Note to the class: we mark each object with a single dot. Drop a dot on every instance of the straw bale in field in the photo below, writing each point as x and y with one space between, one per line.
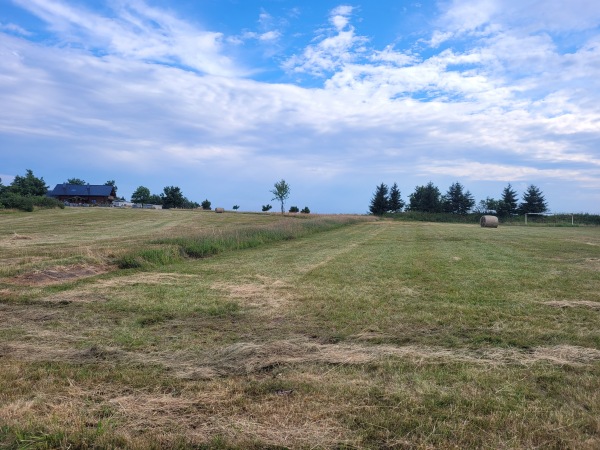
219 210
489 221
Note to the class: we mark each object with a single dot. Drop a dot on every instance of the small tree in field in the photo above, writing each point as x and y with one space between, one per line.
206 205
235 207
380 202
281 193
294 209
305 210
266 208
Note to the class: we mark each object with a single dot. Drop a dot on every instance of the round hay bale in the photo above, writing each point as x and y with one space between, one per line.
219 210
489 222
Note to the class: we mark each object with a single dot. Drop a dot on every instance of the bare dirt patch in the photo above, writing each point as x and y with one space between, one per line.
574 304
59 274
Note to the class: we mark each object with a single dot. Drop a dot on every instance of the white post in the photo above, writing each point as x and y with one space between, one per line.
525 218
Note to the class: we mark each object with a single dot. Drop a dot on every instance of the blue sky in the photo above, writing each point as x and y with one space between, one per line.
225 97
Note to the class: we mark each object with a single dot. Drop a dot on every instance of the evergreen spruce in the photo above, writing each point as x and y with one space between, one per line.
395 203
380 202
507 206
533 201
457 200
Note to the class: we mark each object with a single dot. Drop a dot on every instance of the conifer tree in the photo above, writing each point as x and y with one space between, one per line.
457 200
533 201
380 202
507 205
395 200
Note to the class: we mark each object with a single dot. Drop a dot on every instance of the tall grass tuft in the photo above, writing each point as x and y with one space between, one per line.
209 244
205 245
148 257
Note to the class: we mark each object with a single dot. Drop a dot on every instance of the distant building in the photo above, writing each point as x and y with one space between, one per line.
123 204
86 194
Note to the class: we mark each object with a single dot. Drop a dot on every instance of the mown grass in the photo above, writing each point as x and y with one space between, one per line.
381 334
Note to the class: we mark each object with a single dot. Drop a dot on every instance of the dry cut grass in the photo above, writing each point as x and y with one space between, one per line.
379 335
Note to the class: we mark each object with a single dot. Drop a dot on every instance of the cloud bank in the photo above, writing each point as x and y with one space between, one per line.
496 92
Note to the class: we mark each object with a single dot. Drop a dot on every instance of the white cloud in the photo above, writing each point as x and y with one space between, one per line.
137 31
16 29
339 46
506 104
469 170
270 36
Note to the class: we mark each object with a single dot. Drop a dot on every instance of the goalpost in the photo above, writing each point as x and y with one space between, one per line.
546 214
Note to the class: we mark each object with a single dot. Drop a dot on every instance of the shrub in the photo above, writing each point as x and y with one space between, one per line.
294 209
16 201
26 203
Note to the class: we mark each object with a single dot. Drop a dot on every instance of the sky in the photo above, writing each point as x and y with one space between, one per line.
223 98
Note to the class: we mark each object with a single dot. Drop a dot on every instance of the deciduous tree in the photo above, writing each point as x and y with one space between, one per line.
426 199
155 199
487 206
281 193
172 197
141 195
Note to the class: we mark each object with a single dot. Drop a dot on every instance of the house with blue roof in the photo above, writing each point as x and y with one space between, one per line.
86 194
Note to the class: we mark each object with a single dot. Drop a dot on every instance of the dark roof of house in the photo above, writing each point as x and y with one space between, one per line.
78 190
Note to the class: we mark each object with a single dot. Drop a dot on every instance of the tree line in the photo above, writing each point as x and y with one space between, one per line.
456 200
25 192
170 197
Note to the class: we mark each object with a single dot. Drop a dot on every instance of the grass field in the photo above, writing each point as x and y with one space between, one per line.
333 333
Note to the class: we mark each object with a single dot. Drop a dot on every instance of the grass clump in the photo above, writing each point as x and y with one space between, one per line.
150 257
